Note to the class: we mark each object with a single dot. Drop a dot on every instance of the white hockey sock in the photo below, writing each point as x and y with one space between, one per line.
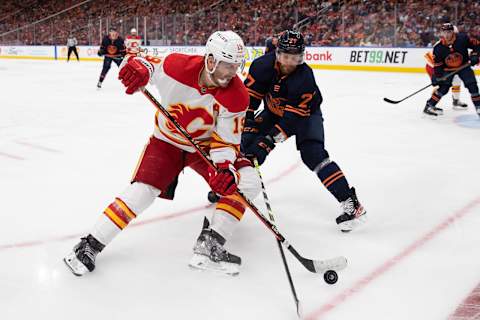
104 230
456 92
131 202
223 223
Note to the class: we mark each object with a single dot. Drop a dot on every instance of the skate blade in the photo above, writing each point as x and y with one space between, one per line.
201 262
457 108
430 116
336 264
75 265
350 225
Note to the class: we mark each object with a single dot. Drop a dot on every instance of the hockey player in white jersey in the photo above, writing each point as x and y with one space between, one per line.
209 100
133 42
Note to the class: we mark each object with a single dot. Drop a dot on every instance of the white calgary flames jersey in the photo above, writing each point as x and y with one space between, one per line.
213 116
133 42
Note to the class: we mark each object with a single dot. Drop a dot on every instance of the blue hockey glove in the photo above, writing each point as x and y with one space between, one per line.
250 133
260 149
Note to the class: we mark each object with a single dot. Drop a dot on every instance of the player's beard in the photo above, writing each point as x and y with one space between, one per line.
220 80
287 69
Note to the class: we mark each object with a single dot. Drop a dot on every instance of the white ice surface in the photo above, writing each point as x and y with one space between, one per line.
66 150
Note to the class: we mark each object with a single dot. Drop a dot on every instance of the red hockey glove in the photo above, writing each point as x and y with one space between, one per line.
224 180
135 74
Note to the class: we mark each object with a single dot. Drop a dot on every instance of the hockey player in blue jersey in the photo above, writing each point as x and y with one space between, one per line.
449 54
287 87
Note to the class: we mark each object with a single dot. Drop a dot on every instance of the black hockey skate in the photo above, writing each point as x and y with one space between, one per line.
82 259
209 253
99 85
459 105
432 111
353 213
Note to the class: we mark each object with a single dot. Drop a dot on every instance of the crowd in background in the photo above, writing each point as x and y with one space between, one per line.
324 23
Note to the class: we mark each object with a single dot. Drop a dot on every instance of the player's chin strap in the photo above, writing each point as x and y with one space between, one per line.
210 72
326 267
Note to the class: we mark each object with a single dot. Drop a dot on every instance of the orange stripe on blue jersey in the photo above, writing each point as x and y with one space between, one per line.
303 113
255 94
333 177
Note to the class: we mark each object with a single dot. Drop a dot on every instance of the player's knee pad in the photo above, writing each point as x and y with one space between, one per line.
249 183
313 154
139 196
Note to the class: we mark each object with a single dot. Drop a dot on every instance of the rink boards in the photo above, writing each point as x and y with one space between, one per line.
326 58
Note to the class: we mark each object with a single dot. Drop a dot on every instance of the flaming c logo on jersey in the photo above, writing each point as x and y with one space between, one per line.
454 60
111 49
195 120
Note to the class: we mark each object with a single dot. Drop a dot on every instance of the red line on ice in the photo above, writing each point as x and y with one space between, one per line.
389 264
11 156
172 215
36 146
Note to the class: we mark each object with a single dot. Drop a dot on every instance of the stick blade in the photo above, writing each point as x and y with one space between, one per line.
390 101
299 309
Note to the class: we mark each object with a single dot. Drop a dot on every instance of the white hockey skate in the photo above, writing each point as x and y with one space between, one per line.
209 254
353 214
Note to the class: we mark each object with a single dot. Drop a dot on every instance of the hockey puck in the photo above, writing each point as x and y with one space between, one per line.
330 276
213 197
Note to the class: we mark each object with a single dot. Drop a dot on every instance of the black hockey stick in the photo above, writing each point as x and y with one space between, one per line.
285 264
327 267
448 75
